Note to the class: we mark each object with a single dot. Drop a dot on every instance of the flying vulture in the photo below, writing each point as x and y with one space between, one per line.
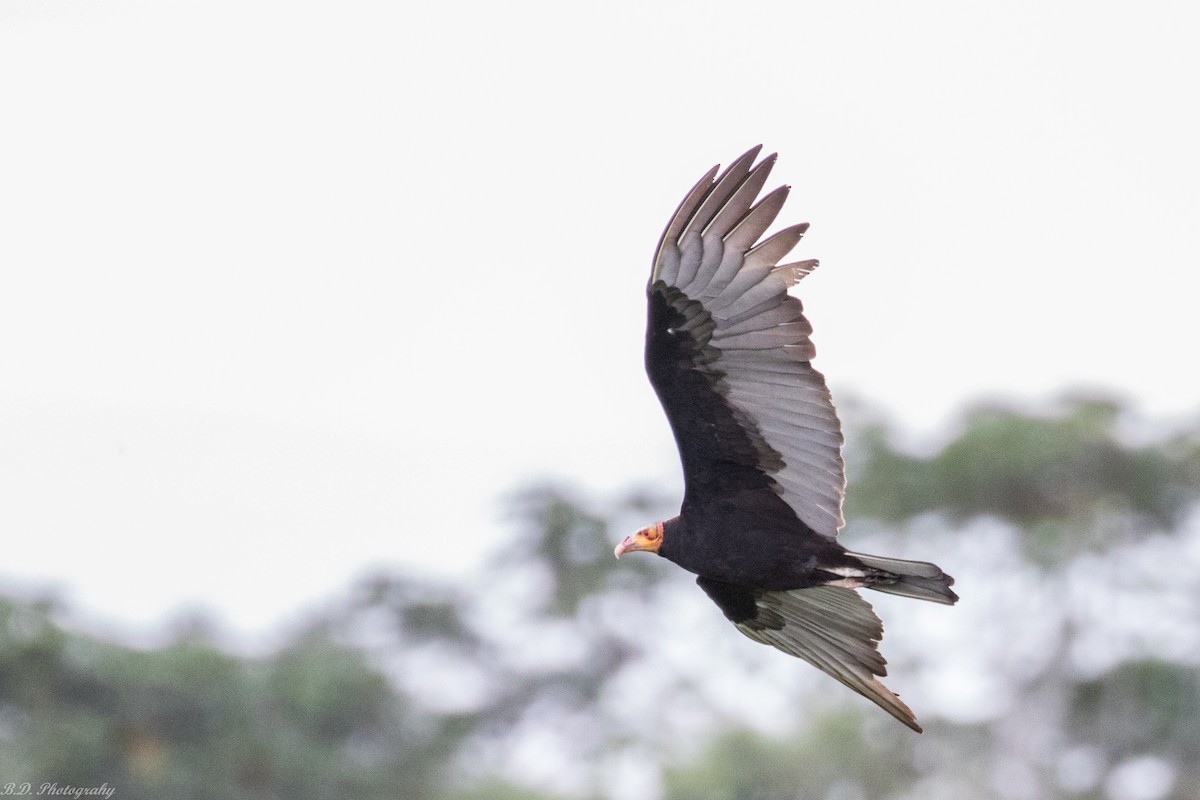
729 355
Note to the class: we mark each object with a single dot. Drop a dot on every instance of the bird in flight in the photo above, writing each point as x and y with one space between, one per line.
729 355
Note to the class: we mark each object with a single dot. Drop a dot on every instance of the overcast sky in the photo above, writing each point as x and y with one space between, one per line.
292 290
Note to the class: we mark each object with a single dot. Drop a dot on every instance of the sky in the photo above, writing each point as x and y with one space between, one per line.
295 291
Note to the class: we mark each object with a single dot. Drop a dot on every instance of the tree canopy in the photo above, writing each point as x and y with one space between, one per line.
1071 669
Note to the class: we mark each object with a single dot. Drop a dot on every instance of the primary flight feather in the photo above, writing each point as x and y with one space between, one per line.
729 355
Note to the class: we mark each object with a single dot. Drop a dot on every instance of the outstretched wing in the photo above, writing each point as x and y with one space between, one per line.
729 355
830 627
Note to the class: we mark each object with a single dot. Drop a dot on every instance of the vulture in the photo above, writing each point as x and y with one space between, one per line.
729 356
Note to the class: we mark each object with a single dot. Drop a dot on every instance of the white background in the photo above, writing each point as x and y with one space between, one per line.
293 290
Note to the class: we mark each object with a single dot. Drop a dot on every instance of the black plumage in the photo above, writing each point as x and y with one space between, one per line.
729 355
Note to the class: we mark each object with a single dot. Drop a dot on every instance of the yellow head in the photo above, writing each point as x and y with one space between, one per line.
648 539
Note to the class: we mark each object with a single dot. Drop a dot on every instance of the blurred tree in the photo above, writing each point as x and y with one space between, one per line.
1056 474
388 695
190 721
1146 712
530 652
835 755
1069 670
1081 610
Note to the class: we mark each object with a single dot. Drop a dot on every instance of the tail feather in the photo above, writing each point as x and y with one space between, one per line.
918 579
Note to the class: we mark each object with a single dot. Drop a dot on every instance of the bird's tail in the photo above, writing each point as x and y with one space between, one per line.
918 579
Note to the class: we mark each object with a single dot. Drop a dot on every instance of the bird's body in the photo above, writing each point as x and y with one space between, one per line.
743 538
729 355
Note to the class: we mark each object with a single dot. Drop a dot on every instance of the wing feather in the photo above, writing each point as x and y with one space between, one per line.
741 201
728 349
764 338
691 252
756 222
725 186
779 312
714 253
675 226
836 631
830 627
666 264
772 249
772 285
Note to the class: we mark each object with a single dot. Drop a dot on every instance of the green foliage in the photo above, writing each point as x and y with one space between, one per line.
316 719
1058 475
423 690
1139 707
834 753
500 790
188 720
573 545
